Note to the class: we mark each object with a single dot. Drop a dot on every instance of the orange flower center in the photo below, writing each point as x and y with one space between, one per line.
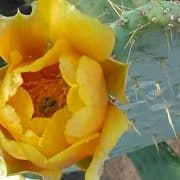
47 89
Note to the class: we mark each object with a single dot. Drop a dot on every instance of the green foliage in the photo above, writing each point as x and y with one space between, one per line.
163 164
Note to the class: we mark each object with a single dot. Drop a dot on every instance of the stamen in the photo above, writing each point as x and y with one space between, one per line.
47 89
48 106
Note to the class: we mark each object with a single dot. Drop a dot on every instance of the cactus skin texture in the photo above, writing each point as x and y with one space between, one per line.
130 3
97 8
152 16
148 38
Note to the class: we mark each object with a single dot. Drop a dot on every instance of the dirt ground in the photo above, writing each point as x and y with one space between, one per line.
121 168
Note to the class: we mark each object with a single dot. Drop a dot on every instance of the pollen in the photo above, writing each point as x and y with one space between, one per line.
47 89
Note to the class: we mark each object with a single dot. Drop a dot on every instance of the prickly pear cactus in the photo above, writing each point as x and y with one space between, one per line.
130 3
148 38
107 10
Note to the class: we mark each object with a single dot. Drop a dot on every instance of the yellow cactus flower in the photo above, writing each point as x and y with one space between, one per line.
54 106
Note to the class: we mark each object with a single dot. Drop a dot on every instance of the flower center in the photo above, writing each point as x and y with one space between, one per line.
47 89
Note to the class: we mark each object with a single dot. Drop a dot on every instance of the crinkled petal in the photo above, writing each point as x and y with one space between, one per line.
22 151
45 8
86 34
90 79
32 139
49 58
70 155
53 138
15 166
23 105
73 99
11 121
12 147
78 151
68 65
82 124
3 71
115 75
28 35
33 155
92 91
29 137
11 80
38 124
115 125
13 77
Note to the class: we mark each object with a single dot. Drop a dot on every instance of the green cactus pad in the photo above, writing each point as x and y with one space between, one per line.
147 37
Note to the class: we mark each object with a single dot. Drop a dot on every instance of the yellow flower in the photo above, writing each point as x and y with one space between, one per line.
54 108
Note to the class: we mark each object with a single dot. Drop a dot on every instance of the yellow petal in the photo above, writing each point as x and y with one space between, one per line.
69 156
38 124
49 58
86 34
83 123
15 58
22 151
11 80
11 147
27 35
13 77
73 99
53 139
115 125
44 8
92 91
29 137
14 166
68 65
90 79
75 152
33 155
3 71
11 121
115 75
23 105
